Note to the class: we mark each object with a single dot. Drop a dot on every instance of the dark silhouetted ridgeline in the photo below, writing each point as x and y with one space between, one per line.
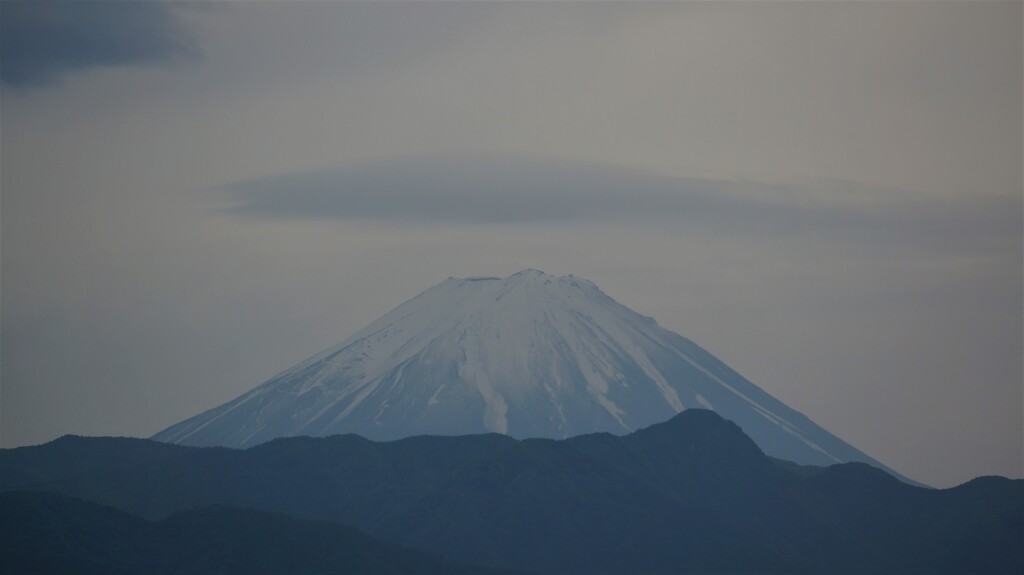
52 534
691 495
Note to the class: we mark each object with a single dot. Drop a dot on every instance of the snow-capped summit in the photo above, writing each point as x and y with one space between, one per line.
529 355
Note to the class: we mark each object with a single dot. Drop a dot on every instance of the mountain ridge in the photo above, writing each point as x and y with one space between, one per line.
692 494
50 533
529 355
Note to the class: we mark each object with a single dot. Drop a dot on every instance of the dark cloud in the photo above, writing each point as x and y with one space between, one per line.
42 40
486 189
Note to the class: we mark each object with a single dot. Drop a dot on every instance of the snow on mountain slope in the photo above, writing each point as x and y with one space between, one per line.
530 355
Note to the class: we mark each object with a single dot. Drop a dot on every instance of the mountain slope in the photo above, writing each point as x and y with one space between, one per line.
48 534
692 494
530 355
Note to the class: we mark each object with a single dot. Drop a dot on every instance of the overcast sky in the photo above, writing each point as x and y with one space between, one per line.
827 196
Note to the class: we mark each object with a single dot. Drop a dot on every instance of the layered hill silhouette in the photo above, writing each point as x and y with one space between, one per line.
693 494
52 534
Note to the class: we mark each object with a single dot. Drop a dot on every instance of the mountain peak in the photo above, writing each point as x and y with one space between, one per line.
702 426
530 272
528 276
528 355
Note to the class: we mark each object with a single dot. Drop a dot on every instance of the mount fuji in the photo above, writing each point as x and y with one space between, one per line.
529 355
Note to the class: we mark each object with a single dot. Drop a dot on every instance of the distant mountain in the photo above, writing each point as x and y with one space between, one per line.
53 534
693 494
530 355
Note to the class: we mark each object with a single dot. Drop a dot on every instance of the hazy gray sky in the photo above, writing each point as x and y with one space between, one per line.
826 195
